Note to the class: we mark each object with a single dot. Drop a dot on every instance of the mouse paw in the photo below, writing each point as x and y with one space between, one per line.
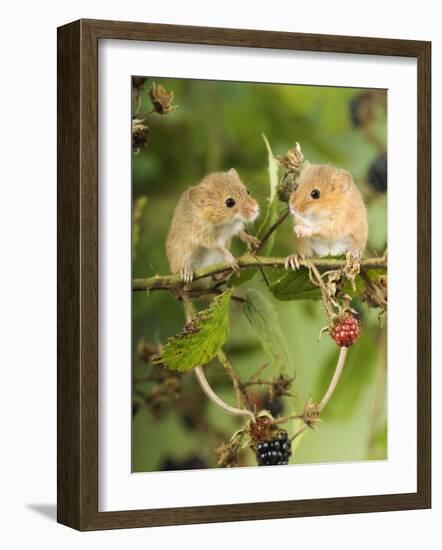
232 262
302 231
186 275
252 242
292 262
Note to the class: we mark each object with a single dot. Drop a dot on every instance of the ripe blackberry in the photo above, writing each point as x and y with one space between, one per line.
377 173
345 331
275 451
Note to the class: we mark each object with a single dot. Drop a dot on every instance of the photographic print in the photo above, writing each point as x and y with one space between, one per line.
259 267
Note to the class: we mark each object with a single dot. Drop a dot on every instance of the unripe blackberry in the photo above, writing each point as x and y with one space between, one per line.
377 173
345 331
274 406
274 452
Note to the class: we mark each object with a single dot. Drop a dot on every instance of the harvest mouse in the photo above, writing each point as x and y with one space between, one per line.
206 217
329 213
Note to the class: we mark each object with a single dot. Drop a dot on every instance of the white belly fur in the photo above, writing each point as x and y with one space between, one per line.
323 247
228 230
208 257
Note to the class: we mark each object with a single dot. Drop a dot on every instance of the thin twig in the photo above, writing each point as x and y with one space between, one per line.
247 261
273 228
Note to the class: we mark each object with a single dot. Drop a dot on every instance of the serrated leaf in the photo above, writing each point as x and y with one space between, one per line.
263 317
296 285
200 340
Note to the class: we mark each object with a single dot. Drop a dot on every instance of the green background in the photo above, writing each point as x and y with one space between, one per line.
218 125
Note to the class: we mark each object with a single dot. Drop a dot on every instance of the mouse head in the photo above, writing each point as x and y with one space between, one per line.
223 199
320 190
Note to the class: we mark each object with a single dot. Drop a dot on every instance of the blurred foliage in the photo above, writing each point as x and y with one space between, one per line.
219 125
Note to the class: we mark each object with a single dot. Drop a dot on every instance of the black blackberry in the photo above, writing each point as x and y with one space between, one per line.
191 463
274 452
377 173
360 109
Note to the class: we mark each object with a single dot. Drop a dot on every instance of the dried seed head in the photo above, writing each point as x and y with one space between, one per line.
161 99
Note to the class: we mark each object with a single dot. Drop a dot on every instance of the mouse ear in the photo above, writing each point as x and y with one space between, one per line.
233 172
198 196
342 180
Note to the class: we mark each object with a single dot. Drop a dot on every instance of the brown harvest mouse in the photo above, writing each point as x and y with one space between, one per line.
330 214
206 217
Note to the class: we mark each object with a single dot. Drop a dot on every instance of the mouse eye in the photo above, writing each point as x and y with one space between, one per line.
230 202
248 192
315 194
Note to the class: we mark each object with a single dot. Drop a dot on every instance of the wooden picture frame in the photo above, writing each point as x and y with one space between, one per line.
78 273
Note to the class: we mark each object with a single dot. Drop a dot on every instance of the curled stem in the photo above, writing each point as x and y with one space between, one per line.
189 311
205 386
335 379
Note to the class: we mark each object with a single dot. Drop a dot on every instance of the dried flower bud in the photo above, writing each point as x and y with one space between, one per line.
161 99
227 455
146 350
291 162
310 414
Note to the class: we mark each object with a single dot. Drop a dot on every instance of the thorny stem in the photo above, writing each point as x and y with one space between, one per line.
189 311
247 261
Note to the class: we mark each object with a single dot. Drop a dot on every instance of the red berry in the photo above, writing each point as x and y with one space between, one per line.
345 331
259 430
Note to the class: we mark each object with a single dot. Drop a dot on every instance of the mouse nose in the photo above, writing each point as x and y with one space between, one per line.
253 212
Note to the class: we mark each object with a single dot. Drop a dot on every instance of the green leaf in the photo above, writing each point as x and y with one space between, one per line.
200 340
264 319
269 218
296 285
